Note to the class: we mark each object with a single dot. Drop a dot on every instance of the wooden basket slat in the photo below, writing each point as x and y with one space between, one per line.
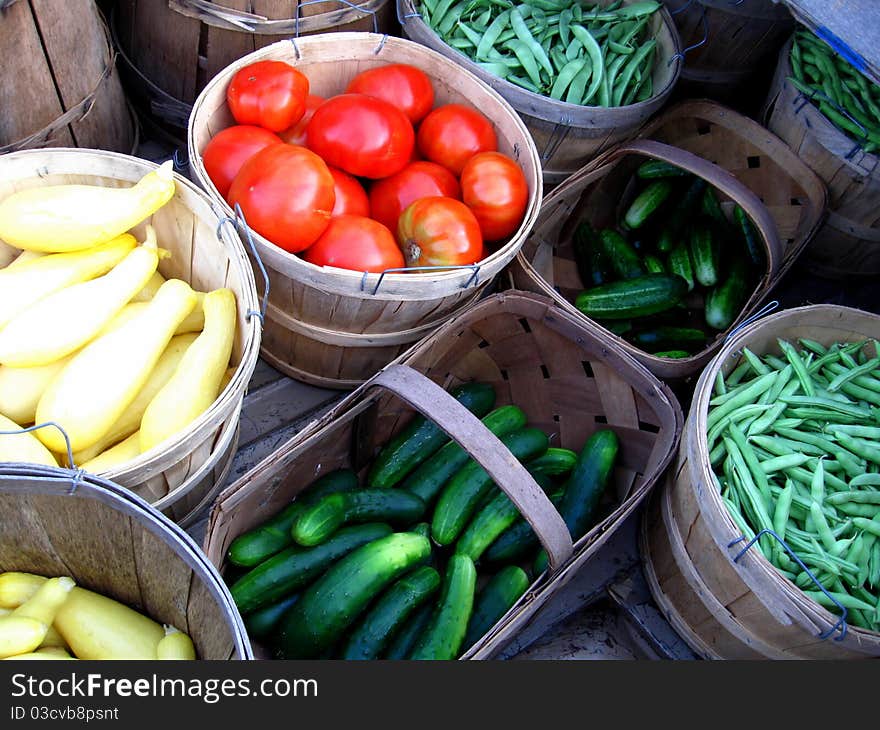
485 343
752 606
187 227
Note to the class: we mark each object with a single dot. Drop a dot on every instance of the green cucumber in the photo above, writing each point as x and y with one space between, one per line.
469 485
442 639
390 611
585 487
724 302
682 212
637 297
647 202
321 520
651 169
623 257
588 257
749 236
679 263
428 479
401 644
712 208
261 623
334 602
518 540
666 338
253 547
296 567
422 437
653 265
553 462
495 517
617 326
704 254
672 354
498 595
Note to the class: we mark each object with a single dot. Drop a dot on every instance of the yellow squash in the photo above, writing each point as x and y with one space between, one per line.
19 635
130 420
44 604
102 380
24 257
40 655
17 587
123 452
24 447
21 285
150 288
60 218
64 321
196 382
194 322
175 645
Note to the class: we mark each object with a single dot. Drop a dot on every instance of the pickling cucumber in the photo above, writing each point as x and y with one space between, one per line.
495 599
647 202
637 297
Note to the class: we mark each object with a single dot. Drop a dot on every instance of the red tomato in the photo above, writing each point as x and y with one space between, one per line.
270 94
230 148
364 136
450 135
297 133
355 242
350 195
439 231
286 194
494 187
389 196
405 86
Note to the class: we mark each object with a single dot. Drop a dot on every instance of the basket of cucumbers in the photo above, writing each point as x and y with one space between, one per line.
436 508
672 240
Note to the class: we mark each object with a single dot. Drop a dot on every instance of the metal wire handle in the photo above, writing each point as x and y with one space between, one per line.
822 96
341 2
841 624
704 21
762 312
475 268
239 222
45 424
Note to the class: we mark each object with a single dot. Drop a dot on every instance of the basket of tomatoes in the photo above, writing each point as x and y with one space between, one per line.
384 187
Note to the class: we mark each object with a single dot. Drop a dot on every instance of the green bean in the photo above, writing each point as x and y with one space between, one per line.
810 401
646 90
500 70
720 387
859 447
754 494
853 373
844 599
742 369
462 43
578 85
813 345
774 362
491 35
869 382
849 462
779 463
469 33
746 395
597 72
789 422
871 526
522 32
524 83
638 57
565 19
856 497
783 509
565 76
865 480
524 54
743 413
604 91
799 474
735 514
856 509
446 20
797 365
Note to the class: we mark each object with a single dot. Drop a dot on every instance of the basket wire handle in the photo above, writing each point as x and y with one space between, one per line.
239 222
841 624
78 475
822 96
475 271
762 312
408 6
486 448
704 21
348 4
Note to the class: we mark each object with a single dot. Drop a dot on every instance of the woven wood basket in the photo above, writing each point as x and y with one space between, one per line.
848 244
567 375
741 159
732 44
58 82
316 314
567 135
182 475
164 72
114 543
723 607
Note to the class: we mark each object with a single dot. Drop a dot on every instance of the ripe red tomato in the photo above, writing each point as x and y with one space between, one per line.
451 134
355 242
364 136
389 196
439 231
350 195
405 86
297 133
269 94
230 148
494 187
286 194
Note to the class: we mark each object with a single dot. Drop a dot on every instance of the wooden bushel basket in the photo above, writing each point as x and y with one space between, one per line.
165 71
568 376
745 164
848 244
567 135
55 522
180 476
740 609
59 86
334 327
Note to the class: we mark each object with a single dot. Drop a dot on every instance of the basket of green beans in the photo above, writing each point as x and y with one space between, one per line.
781 457
582 75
